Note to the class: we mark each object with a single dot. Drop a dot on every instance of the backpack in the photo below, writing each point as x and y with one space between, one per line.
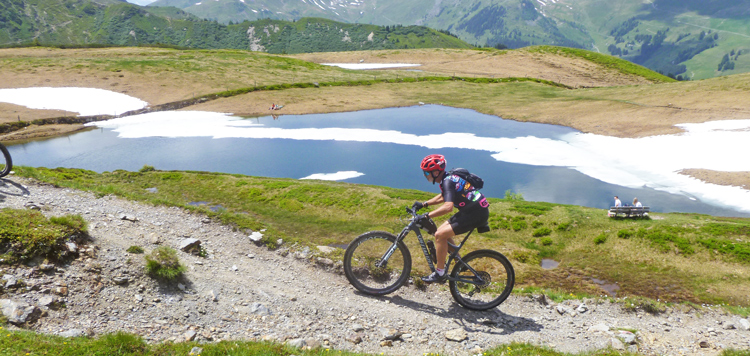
472 178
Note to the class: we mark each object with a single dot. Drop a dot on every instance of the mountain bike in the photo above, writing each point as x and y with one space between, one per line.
6 164
379 263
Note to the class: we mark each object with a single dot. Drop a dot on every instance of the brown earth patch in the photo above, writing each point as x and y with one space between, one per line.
571 279
571 71
42 132
735 179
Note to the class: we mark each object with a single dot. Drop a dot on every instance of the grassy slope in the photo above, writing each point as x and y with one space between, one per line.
676 257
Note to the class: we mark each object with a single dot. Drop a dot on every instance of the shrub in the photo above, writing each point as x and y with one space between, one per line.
509 195
526 256
135 249
147 168
532 208
163 263
537 224
625 234
546 241
543 231
519 225
602 238
564 226
648 305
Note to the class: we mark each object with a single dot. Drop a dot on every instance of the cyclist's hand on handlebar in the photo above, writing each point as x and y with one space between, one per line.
417 206
425 216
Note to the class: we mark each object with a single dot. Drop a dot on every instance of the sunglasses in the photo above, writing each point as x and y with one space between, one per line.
427 173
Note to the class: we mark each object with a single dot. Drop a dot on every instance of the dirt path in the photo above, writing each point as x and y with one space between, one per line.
298 296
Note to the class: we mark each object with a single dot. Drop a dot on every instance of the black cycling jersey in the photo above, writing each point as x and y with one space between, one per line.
461 193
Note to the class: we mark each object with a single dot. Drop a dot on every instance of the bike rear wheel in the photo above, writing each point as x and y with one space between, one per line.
495 282
6 164
362 259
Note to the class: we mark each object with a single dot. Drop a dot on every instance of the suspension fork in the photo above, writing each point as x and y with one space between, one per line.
387 256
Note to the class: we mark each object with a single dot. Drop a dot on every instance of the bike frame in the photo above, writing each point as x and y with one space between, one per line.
412 226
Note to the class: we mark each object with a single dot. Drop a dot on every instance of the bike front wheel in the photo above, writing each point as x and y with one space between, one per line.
6 164
370 270
488 285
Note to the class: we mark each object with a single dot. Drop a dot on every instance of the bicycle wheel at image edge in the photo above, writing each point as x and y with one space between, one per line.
6 164
363 255
497 278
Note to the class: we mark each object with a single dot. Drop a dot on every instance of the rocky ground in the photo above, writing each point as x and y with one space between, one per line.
298 296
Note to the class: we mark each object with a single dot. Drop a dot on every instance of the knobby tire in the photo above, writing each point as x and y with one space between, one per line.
495 291
367 250
8 163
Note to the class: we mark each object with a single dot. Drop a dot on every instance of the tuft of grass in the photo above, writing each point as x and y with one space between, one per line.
147 168
546 241
163 263
646 304
135 249
600 239
542 231
532 208
625 234
27 234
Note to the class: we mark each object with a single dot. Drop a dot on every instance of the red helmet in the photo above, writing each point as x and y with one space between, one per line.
433 163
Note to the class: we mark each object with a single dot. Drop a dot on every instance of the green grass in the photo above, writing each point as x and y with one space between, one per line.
123 344
605 61
163 263
26 234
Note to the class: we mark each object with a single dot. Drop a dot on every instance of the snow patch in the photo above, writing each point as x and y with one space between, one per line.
341 175
370 65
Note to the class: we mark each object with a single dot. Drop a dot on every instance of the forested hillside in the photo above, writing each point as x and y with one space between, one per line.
687 39
86 22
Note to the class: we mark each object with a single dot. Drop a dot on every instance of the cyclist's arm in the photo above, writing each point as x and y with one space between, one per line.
446 208
435 200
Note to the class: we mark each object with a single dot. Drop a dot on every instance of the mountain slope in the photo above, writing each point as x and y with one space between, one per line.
81 22
688 38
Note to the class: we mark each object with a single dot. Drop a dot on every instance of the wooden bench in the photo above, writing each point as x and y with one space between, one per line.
628 211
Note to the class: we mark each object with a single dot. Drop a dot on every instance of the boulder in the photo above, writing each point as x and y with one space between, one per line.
259 309
601 327
190 244
19 312
456 335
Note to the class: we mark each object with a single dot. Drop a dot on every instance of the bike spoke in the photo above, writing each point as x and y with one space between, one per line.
368 271
483 281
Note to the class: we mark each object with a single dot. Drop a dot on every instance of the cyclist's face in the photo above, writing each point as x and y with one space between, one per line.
428 175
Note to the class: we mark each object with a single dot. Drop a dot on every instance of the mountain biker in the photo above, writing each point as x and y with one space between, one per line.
473 209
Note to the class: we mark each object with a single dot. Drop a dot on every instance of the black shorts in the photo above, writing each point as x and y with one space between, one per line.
465 220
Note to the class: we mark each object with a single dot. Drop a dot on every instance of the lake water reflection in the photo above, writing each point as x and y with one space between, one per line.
381 147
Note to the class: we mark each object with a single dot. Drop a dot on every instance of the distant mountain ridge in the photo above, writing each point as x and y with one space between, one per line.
115 22
688 38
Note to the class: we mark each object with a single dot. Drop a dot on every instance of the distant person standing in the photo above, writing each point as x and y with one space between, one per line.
636 203
618 203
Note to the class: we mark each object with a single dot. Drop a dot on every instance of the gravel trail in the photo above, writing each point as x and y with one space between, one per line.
297 296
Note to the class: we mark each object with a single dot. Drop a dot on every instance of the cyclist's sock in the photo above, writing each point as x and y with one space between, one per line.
440 271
